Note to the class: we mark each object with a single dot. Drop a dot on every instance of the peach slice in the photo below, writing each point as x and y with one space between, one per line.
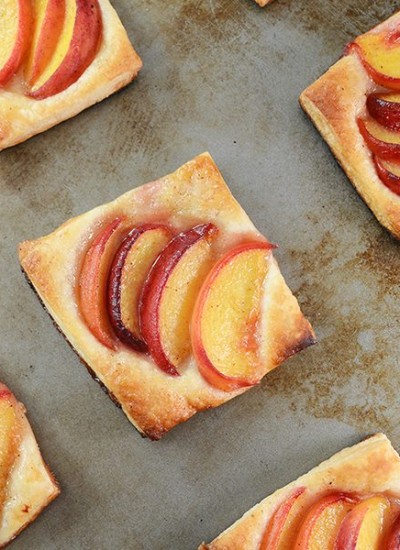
385 109
380 54
282 527
389 173
169 294
362 528
49 18
129 269
93 281
15 25
322 523
9 437
225 325
380 140
75 51
393 541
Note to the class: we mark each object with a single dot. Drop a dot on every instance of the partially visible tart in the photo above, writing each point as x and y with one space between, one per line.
356 107
351 501
27 485
58 57
170 296
263 3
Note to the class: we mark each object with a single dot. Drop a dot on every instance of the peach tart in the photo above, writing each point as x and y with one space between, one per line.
26 484
349 502
170 296
356 108
58 57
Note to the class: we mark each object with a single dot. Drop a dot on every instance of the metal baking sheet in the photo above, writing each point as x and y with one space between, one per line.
223 76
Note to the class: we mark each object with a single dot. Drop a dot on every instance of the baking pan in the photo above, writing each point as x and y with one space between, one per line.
223 76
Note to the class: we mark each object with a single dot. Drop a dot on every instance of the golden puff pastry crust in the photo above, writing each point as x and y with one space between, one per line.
115 65
27 485
333 103
369 467
152 400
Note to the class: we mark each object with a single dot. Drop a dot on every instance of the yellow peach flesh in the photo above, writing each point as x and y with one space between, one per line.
178 299
392 98
62 47
230 316
136 267
381 133
327 526
39 9
9 25
288 534
370 534
392 167
380 54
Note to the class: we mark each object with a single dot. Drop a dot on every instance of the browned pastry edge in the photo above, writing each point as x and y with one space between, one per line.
154 437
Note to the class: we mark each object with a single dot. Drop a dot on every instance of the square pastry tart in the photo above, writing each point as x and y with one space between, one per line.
169 295
349 502
356 108
26 484
58 57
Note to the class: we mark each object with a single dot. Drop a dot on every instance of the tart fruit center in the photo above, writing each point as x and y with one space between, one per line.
380 53
54 40
167 295
336 521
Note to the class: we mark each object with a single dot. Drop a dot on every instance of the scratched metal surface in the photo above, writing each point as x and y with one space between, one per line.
223 76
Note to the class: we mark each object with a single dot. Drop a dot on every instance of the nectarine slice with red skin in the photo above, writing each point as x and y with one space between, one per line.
323 521
9 437
129 269
382 141
93 282
226 318
389 173
380 54
363 526
179 297
272 538
49 16
393 541
186 255
385 109
77 47
15 25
